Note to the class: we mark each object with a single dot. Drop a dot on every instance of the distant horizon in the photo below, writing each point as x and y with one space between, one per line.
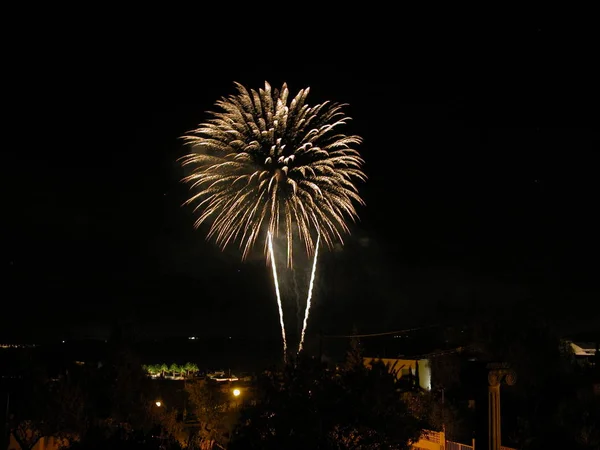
565 329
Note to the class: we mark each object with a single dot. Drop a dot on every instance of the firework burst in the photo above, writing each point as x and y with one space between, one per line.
265 164
264 167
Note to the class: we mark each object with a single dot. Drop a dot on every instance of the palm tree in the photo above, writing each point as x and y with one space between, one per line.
163 369
154 369
174 369
190 367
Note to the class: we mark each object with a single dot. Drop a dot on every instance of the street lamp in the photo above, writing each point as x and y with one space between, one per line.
236 392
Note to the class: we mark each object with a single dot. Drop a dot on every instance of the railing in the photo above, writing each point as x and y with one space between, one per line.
430 440
432 436
435 439
457 446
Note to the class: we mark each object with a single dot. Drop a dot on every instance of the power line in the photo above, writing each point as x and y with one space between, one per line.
386 333
440 353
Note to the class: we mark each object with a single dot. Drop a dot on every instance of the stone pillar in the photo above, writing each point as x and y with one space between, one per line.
496 376
494 414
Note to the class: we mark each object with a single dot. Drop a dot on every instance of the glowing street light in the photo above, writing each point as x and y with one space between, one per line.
158 403
236 392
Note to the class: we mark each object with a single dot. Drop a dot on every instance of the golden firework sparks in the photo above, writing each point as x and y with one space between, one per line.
262 164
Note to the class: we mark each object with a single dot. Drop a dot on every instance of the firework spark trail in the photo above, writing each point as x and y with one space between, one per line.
309 297
279 305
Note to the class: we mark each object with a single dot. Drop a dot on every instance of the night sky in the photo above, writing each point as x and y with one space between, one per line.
481 147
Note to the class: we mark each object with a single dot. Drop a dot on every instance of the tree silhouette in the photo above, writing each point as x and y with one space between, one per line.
547 407
306 406
30 417
210 404
354 356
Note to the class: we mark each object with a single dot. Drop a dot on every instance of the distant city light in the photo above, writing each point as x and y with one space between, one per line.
236 392
17 345
158 404
192 337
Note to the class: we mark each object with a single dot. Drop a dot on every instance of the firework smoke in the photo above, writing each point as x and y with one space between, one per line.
298 306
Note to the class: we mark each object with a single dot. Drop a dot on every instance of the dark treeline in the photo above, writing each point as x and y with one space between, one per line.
109 401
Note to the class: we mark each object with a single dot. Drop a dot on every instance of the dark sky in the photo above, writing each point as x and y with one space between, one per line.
481 144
